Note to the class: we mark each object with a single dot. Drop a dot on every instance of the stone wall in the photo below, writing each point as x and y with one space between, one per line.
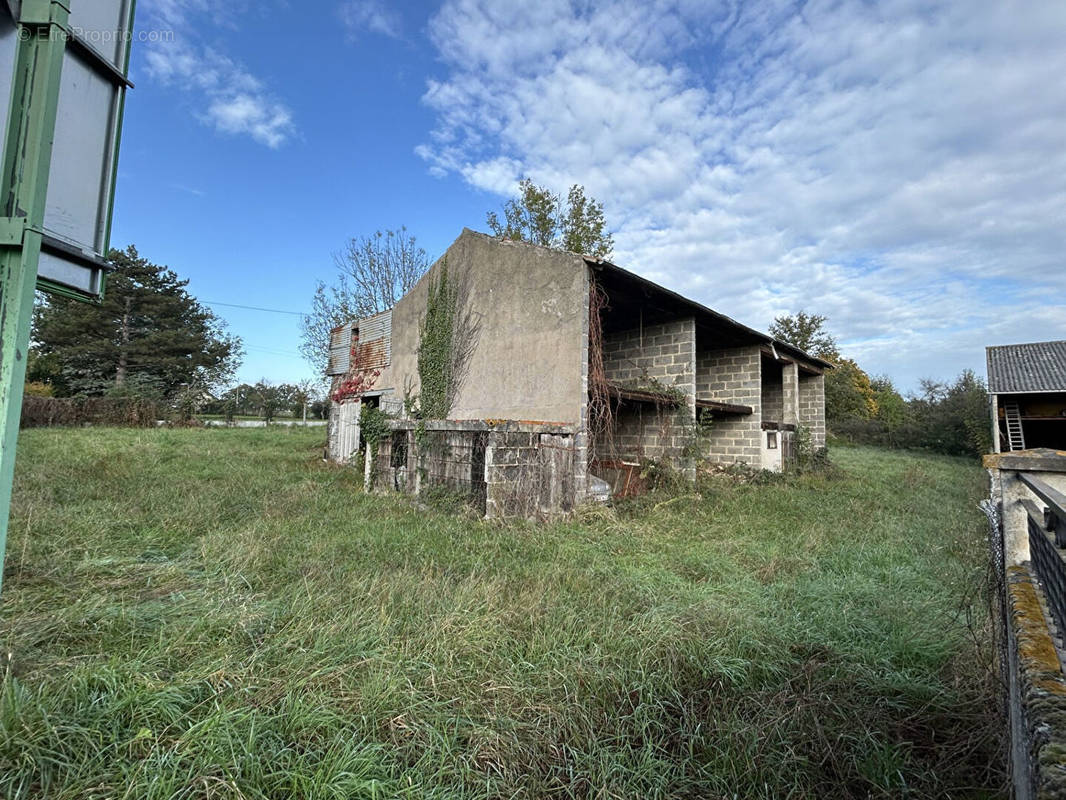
812 407
733 375
1030 580
504 469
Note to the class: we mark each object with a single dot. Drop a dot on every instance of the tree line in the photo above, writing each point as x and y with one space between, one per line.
948 417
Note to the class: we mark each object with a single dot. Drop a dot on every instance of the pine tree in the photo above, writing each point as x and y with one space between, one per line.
149 336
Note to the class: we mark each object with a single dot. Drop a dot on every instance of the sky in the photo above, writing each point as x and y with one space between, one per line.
898 167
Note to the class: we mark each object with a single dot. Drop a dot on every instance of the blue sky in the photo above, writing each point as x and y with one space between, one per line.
899 166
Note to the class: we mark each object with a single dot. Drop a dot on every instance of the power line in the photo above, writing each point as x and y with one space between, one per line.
254 308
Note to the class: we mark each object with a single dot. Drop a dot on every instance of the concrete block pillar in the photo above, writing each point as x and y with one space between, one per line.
790 393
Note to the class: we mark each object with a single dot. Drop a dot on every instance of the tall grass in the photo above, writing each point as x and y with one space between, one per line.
217 613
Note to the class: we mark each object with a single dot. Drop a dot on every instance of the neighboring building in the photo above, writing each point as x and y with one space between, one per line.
545 396
1027 388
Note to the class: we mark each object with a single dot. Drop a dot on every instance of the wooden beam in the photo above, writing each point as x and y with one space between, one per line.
724 408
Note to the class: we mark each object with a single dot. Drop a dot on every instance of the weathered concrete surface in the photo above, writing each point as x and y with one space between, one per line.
506 469
1008 490
538 298
1038 694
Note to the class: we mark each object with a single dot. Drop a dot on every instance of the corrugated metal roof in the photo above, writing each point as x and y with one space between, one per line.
375 341
340 350
1034 367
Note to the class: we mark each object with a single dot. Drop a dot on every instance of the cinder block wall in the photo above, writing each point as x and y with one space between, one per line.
773 398
733 375
663 353
812 407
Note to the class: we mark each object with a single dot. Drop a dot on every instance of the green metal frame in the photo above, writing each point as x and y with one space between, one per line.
26 161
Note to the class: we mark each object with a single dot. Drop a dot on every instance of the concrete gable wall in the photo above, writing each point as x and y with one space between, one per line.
531 357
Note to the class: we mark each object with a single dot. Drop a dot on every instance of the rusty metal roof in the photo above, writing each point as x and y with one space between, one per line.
1021 368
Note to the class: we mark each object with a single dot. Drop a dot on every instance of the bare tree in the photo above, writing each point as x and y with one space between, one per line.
372 274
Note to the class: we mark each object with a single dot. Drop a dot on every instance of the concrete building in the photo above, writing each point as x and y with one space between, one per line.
580 356
1027 389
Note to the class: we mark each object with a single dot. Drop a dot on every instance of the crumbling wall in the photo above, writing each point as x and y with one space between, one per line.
812 407
504 469
732 375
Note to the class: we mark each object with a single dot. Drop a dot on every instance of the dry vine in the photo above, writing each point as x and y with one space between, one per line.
601 413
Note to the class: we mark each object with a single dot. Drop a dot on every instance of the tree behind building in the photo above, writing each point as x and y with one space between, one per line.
538 216
372 274
149 337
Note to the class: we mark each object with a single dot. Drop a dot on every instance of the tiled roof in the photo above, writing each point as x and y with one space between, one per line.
1036 367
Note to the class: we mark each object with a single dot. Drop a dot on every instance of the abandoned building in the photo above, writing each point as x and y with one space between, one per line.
1027 394
533 379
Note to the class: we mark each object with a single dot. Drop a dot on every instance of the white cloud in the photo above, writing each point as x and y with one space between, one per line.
897 167
370 15
230 99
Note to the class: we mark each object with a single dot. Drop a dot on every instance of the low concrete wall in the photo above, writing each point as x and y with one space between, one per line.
505 469
1031 641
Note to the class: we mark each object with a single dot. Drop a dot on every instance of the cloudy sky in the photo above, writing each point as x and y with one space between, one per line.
899 167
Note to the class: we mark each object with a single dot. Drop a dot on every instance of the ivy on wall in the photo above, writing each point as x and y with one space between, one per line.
435 347
447 337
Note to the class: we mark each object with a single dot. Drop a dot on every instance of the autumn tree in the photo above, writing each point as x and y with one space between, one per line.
372 274
849 393
539 216
148 336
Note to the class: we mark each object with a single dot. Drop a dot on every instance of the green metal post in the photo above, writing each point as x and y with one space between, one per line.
42 30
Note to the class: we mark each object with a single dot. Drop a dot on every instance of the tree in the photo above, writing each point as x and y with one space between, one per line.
808 333
270 398
952 417
538 216
891 407
373 273
149 336
305 394
848 391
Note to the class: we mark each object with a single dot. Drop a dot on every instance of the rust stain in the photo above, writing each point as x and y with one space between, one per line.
369 355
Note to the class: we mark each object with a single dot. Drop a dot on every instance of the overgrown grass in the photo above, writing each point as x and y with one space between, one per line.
217 613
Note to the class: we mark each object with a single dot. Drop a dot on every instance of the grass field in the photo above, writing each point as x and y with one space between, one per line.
217 613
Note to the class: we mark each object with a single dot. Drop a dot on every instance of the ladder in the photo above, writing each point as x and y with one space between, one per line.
1015 434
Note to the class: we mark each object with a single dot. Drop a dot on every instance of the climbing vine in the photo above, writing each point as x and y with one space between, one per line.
373 426
447 337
